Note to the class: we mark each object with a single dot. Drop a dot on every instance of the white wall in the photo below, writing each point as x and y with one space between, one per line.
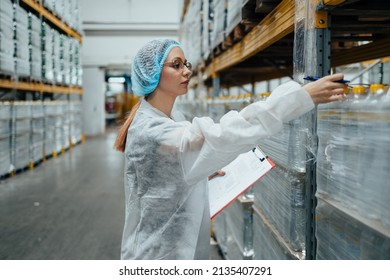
112 51
93 101
113 31
147 11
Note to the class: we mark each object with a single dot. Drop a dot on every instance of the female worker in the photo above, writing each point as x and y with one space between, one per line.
167 162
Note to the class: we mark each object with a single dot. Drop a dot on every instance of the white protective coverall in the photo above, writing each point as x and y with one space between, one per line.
167 164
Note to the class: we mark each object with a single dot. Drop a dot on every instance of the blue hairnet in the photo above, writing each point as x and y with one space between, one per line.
148 63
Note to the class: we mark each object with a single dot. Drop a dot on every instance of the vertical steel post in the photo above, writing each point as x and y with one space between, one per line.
216 85
320 20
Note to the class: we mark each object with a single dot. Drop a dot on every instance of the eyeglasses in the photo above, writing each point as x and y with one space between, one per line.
179 64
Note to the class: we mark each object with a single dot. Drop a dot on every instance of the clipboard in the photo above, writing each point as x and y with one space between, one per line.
241 174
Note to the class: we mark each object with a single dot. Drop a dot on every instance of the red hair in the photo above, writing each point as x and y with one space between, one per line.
120 142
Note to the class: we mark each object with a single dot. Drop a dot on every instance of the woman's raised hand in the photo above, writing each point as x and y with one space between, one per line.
326 89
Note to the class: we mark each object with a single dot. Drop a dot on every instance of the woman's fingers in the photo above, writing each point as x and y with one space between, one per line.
334 77
326 89
218 173
336 98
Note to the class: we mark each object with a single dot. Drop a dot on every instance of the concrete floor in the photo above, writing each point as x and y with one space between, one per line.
67 208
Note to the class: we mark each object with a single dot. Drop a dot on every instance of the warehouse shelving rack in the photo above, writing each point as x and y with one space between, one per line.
338 32
18 88
39 87
41 10
277 28
14 83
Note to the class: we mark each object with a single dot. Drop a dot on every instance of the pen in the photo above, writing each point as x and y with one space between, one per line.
315 78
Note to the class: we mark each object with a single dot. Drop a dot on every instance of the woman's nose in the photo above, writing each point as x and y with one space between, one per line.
187 72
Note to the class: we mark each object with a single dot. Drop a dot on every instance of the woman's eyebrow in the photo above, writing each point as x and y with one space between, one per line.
177 57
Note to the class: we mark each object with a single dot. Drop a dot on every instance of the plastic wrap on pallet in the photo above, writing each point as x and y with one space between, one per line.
265 245
78 65
75 121
37 110
5 138
37 140
5 156
239 103
35 49
240 226
353 156
21 151
56 56
22 65
21 110
65 59
6 12
200 107
340 236
6 45
54 6
192 108
20 139
36 152
233 250
6 16
22 126
191 32
216 108
233 15
7 64
220 105
76 17
71 60
65 125
5 111
58 8
49 145
220 232
21 121
37 131
35 30
58 126
217 34
280 195
38 126
305 41
74 62
47 53
292 146
51 120
49 4
5 129
187 108
206 28
67 12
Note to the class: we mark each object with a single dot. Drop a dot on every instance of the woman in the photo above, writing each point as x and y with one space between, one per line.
167 162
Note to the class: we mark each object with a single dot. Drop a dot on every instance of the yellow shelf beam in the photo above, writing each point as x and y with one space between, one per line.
52 18
39 87
276 25
374 50
333 2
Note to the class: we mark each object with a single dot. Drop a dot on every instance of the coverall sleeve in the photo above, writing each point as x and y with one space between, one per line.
206 146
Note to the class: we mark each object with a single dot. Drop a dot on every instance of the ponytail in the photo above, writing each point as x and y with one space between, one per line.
120 142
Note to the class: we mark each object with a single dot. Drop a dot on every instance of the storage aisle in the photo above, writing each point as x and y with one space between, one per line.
70 207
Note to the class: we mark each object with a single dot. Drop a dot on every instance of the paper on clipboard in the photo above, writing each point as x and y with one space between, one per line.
240 175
